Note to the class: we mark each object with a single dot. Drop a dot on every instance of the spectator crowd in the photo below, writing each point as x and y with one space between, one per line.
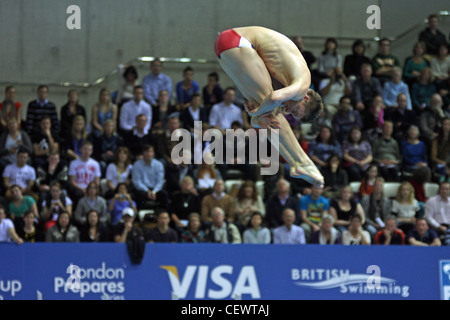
112 178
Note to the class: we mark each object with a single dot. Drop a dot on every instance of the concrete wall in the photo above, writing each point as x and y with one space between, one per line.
37 47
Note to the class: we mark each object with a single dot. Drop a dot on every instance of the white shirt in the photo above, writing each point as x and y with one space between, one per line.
223 116
437 211
349 239
282 235
112 174
405 210
337 90
19 176
84 172
5 225
130 110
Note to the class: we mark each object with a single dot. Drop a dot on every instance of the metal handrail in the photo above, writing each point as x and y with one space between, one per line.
87 85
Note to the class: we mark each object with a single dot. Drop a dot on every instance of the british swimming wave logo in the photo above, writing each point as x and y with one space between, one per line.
369 283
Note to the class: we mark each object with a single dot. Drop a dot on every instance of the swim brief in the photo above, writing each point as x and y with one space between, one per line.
230 39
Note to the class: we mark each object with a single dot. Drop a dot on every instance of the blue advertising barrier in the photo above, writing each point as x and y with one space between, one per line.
59 271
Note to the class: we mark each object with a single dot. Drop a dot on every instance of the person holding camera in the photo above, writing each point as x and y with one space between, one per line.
121 200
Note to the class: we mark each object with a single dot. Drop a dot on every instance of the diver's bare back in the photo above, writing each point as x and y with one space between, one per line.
280 55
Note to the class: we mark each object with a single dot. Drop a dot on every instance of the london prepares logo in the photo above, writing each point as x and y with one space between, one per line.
106 281
213 283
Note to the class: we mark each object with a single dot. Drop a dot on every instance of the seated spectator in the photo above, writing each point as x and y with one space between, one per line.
308 55
344 208
312 208
355 235
44 142
432 36
390 234
401 117
414 151
220 230
118 171
334 176
405 208
73 142
212 93
10 141
131 109
437 209
92 201
21 174
224 113
194 112
162 232
440 148
53 170
422 90
184 202
386 153
148 180
420 176
40 107
93 230
164 143
119 202
218 198
393 88
193 232
161 112
7 230
422 235
53 204
68 113
357 154
345 119
323 147
289 233
128 79
440 64
106 145
63 230
281 200
103 110
255 233
327 234
365 88
354 61
329 59
368 180
333 88
376 208
186 88
9 108
138 137
246 202
415 63
430 120
30 231
384 61
83 171
373 119
156 81
177 172
125 230
206 174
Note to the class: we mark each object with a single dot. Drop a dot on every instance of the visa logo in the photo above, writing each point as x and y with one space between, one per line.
246 282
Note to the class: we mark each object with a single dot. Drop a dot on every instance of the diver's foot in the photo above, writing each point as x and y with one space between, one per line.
309 173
